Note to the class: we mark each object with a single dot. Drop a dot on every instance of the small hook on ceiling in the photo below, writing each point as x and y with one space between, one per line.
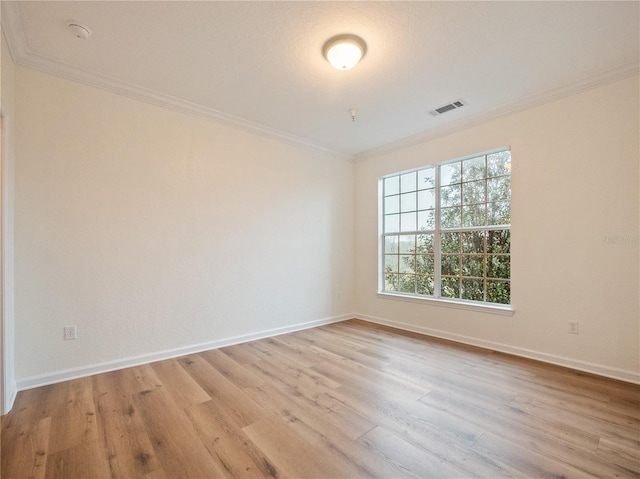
353 112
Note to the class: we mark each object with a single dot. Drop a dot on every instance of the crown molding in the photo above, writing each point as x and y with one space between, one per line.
525 103
22 55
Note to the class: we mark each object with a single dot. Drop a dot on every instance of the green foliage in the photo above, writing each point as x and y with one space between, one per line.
450 287
473 289
473 265
450 242
407 283
426 243
424 284
450 265
498 266
498 292
472 242
499 241
497 164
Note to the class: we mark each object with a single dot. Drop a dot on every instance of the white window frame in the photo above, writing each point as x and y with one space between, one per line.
495 308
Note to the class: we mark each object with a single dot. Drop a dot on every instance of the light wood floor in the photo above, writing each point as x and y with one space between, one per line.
348 400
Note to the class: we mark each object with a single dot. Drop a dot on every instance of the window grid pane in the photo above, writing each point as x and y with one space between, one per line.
471 199
392 186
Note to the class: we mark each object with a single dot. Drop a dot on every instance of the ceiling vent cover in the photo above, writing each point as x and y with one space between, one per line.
459 103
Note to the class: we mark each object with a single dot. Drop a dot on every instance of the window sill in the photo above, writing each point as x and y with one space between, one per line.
482 308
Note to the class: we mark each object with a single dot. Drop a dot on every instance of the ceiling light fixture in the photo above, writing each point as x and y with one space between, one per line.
344 51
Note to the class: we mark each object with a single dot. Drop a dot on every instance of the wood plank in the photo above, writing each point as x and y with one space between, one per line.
82 460
435 378
302 451
555 439
407 459
621 454
223 392
510 422
283 355
174 440
325 338
368 379
520 461
25 449
296 456
377 338
73 419
123 434
599 417
184 390
31 405
397 412
327 415
229 447
299 379
295 356
129 381
235 372
242 353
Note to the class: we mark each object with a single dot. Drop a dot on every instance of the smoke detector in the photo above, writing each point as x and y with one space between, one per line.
78 30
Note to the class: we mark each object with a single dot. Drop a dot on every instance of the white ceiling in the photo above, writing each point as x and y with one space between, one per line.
259 65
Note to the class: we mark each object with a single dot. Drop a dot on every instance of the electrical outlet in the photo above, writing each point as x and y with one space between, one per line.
573 327
70 332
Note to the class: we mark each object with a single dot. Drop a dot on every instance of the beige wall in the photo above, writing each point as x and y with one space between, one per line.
575 181
151 230
7 97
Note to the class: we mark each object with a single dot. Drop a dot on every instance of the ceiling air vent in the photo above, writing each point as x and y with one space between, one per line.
451 106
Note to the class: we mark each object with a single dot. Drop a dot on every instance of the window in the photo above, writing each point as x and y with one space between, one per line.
446 230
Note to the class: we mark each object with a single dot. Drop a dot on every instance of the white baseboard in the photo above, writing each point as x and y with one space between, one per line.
83 371
599 369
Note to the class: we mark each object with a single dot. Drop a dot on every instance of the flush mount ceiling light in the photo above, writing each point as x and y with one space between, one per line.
344 51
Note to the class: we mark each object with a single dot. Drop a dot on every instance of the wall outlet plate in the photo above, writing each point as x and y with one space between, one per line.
573 327
70 332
